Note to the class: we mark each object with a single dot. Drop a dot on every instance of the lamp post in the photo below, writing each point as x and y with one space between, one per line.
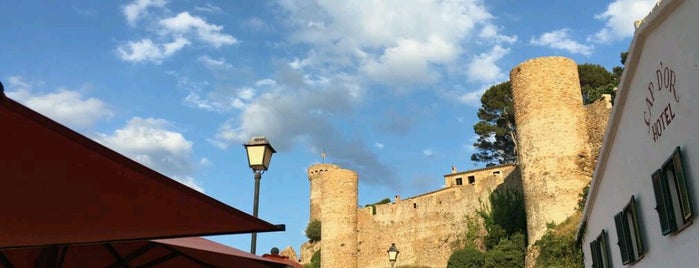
393 254
259 153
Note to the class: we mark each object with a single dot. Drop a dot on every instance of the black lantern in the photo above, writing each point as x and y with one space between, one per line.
393 254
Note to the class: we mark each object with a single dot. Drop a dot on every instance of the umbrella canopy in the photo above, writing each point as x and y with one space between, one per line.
58 187
177 252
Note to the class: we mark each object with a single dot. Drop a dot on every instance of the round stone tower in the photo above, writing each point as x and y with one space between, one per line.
334 203
551 139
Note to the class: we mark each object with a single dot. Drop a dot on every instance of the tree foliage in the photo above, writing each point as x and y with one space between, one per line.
508 252
507 212
505 241
468 257
313 231
595 80
558 247
496 129
315 261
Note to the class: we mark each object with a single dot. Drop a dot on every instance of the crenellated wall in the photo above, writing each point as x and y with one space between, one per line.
426 228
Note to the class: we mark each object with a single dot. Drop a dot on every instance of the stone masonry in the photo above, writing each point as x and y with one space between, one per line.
426 228
552 139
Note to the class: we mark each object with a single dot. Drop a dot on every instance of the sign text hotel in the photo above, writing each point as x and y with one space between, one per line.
658 116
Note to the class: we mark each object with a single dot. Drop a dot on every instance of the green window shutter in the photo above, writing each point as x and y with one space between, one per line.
604 249
637 229
622 231
594 250
663 203
685 203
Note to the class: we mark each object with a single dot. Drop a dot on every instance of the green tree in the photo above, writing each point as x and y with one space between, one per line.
313 231
468 257
558 248
595 80
508 253
496 130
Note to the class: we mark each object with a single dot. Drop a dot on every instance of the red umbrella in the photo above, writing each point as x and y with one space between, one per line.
60 189
176 252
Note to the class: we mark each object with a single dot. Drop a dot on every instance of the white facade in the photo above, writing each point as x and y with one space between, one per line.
656 110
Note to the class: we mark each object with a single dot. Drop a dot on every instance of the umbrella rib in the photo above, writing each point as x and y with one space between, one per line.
160 260
198 261
135 254
114 253
5 262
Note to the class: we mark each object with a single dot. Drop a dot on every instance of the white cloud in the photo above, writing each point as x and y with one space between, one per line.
304 114
391 42
147 50
184 23
136 9
473 98
65 106
409 61
428 152
256 24
490 32
150 142
560 39
619 19
222 99
209 8
483 68
266 82
378 145
210 63
169 35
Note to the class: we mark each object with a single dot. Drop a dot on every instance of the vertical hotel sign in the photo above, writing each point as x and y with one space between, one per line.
662 94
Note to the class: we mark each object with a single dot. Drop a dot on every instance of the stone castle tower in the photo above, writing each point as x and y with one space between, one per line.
334 203
552 139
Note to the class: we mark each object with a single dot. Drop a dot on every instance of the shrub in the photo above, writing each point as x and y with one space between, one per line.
507 253
466 258
315 261
558 248
313 231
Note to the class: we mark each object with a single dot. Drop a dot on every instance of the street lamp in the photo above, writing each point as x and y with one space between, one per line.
259 154
393 254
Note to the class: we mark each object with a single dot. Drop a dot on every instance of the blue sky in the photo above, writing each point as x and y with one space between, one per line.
387 88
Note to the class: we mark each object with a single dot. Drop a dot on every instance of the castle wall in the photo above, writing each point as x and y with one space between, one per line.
427 228
596 115
552 139
338 204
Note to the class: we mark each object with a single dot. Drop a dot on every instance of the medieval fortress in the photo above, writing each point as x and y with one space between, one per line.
557 137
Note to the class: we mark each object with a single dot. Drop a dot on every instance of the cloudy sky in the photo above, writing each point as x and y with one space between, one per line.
388 88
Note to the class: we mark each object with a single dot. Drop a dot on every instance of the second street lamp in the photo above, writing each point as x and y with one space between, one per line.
393 254
259 153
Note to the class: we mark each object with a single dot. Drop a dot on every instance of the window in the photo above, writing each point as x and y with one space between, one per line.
472 179
459 181
600 251
671 196
497 172
629 234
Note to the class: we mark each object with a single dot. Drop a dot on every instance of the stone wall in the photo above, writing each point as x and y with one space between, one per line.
426 228
552 139
596 114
